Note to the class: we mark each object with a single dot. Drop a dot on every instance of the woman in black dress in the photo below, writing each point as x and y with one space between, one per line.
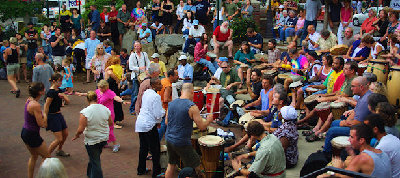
167 7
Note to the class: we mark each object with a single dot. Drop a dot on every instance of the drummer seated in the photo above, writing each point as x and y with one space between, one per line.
259 90
222 37
393 56
255 40
243 58
270 149
360 49
327 41
185 70
299 65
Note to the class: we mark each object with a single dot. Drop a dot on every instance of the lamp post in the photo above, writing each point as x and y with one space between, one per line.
217 13
270 21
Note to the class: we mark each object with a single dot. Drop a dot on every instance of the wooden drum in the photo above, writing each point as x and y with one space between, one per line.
339 50
380 68
323 110
210 147
338 144
311 102
338 108
393 85
272 73
361 69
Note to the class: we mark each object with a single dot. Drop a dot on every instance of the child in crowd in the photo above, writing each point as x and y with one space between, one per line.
114 52
107 46
67 82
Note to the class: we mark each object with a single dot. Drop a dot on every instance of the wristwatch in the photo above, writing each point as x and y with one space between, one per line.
240 169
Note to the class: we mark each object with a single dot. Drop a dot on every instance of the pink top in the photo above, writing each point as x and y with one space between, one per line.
199 52
300 23
346 14
106 99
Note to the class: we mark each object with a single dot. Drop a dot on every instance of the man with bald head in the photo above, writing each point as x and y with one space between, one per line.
42 73
179 119
348 38
312 38
359 86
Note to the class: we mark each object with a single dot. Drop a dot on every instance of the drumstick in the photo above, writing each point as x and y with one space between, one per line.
214 95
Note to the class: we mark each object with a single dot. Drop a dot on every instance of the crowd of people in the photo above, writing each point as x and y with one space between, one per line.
162 99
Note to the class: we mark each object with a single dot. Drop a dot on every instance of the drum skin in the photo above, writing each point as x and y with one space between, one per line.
393 86
210 153
380 69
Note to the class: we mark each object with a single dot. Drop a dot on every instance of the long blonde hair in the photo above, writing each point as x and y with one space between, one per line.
96 52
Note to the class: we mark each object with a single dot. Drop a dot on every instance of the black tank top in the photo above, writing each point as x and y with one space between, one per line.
13 58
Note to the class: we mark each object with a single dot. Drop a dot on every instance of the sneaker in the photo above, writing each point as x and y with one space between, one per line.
116 148
62 153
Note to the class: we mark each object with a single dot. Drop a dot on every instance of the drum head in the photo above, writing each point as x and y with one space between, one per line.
341 141
295 84
362 65
211 141
322 106
338 104
283 76
312 89
211 54
197 88
379 61
212 90
245 119
310 98
238 102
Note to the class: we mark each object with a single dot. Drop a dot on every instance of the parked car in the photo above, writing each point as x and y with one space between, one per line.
358 19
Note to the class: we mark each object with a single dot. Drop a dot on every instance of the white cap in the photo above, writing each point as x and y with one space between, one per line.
289 113
182 57
155 55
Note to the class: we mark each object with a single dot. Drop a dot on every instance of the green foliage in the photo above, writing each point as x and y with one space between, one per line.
239 27
100 4
11 9
43 19
22 30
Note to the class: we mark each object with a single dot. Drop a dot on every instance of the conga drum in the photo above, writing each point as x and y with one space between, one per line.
271 73
361 69
339 50
393 85
282 78
210 147
323 110
311 101
198 97
260 56
380 68
245 119
338 108
338 144
212 102
210 56
261 66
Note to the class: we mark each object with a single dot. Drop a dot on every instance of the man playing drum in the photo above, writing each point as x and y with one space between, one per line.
299 65
265 95
179 119
254 88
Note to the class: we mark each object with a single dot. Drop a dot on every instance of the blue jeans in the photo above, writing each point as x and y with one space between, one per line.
162 129
186 32
133 92
94 165
48 51
154 32
285 33
273 32
306 24
212 66
333 132
188 42
30 56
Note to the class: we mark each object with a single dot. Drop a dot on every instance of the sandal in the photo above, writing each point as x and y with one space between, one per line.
307 132
312 138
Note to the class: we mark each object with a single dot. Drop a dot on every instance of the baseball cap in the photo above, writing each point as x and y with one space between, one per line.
195 22
222 59
155 55
182 57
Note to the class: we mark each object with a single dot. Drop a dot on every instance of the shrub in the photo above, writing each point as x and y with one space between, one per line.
239 27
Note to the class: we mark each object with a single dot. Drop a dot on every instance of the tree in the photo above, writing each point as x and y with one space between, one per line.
11 9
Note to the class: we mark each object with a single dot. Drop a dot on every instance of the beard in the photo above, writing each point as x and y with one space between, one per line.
223 29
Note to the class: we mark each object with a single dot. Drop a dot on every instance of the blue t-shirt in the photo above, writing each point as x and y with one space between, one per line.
90 46
273 117
108 50
189 8
291 21
143 34
361 110
364 52
256 39
180 125
202 7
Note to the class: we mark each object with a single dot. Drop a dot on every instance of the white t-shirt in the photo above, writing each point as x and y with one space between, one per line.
390 144
196 33
150 113
157 27
314 37
97 129
218 72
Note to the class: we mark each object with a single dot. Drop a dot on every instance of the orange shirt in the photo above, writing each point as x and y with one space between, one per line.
367 24
165 83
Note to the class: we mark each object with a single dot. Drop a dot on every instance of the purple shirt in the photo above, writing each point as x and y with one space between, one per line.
30 120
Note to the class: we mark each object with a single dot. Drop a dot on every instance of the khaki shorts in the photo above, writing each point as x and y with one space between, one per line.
58 59
187 154
22 60
12 69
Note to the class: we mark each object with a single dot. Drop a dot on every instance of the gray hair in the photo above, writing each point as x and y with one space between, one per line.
361 80
52 167
279 88
153 68
292 11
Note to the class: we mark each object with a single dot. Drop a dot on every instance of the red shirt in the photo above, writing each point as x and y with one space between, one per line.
103 16
367 24
339 82
113 14
220 36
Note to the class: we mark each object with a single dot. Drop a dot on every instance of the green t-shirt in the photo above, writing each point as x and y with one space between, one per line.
231 8
270 157
228 78
346 87
242 57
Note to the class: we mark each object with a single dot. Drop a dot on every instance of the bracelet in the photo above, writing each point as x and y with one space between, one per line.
240 169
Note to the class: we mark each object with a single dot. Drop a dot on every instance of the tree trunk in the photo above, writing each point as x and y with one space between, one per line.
326 15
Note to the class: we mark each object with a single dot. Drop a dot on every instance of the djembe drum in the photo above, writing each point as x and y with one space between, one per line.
338 108
323 110
338 144
210 147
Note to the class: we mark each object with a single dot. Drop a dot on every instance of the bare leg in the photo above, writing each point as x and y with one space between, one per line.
319 124
216 50
248 75
299 98
230 47
12 82
287 82
308 116
240 74
24 72
326 125
120 40
170 172
64 137
87 75
58 139
35 152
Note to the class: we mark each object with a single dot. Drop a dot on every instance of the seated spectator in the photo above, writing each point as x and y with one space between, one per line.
104 32
187 23
376 48
163 69
393 56
222 37
254 86
367 26
273 54
195 33
243 57
289 27
217 73
381 23
200 53
124 57
392 26
145 34
388 143
360 50
107 45
387 111
312 39
157 28
255 40
327 41
185 70
299 29
280 23
348 38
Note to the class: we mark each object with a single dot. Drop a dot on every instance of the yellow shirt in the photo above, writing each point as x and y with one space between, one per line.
163 69
66 12
117 70
331 79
